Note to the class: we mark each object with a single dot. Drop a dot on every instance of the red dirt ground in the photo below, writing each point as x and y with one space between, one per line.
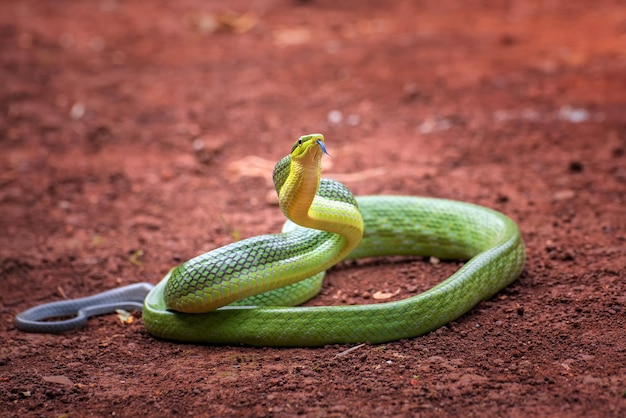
124 132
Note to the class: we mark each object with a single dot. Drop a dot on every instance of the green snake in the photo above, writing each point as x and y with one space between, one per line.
246 292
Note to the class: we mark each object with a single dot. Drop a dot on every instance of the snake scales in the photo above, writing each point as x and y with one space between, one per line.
211 298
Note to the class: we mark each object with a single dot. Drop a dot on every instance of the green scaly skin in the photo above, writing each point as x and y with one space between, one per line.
391 225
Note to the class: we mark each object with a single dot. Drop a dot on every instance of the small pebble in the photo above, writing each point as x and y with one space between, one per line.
198 144
573 115
77 111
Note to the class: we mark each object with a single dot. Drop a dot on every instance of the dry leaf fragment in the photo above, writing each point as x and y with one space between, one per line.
125 317
384 295
61 292
349 350
135 258
226 21
237 22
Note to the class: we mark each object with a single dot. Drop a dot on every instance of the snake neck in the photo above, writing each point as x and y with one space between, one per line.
297 192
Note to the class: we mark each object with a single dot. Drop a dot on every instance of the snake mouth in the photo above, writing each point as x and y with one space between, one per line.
316 151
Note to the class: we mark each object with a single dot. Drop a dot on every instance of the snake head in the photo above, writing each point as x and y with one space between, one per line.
309 148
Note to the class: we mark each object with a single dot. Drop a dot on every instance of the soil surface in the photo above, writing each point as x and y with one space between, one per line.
136 135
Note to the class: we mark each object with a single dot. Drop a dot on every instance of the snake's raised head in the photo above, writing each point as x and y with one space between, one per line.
306 154
308 149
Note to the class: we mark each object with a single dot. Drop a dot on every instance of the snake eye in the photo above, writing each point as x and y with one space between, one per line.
296 145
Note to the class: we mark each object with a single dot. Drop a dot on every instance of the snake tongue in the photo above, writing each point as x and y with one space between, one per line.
323 147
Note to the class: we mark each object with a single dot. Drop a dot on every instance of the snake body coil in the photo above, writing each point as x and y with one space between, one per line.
200 300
